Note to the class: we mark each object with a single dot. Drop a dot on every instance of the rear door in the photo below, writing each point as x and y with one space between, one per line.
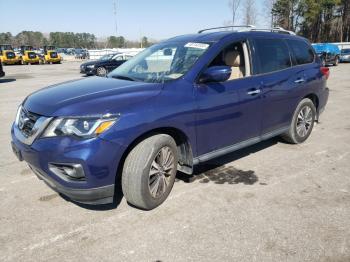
305 68
273 67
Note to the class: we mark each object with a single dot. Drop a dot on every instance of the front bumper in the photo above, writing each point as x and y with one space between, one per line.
99 159
345 59
93 196
87 71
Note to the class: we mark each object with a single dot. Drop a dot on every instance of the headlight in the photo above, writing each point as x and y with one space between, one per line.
87 127
90 66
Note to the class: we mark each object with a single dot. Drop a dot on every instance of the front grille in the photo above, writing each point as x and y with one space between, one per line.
26 122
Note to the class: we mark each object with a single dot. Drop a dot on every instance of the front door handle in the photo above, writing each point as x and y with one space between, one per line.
254 92
299 81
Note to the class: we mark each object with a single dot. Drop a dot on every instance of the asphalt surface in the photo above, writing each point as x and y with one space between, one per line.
269 202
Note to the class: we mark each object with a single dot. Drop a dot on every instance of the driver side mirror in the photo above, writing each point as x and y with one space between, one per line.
216 74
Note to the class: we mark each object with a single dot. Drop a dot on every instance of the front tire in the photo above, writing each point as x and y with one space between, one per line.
336 62
149 171
302 122
101 71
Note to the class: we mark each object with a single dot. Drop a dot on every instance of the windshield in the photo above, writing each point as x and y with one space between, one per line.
345 51
106 57
161 62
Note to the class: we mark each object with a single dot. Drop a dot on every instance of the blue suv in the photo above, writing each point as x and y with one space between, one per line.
177 104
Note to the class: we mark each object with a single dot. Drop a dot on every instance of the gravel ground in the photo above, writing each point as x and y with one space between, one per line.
269 202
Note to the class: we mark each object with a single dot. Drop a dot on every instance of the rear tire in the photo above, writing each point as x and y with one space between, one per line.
302 122
149 171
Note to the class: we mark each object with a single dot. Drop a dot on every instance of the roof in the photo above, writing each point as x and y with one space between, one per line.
217 36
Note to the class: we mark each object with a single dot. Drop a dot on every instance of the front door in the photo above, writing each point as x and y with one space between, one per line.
228 112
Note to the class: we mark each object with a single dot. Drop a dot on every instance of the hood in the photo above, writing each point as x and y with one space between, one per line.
90 63
91 96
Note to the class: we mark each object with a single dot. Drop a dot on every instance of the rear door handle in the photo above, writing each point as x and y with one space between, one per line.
254 92
299 81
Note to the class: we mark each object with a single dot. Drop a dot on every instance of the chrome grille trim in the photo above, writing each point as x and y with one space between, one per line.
32 127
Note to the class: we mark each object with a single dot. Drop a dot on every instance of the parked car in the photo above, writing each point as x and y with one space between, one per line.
345 55
328 53
178 103
81 53
2 73
104 65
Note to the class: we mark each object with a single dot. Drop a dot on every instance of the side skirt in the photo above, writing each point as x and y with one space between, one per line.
240 145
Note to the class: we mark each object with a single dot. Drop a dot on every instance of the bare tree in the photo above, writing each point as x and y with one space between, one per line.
268 5
234 5
250 12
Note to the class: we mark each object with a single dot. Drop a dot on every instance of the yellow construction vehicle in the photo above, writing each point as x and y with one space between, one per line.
8 56
51 55
28 56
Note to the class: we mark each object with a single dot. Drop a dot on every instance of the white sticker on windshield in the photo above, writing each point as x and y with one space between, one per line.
197 45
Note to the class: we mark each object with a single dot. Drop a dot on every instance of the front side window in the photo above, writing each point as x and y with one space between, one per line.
106 57
273 55
162 62
345 51
302 52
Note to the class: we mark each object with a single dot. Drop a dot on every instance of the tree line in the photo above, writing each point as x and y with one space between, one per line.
317 20
69 40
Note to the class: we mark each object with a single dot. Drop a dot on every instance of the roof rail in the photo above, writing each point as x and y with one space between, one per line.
242 28
273 29
225 27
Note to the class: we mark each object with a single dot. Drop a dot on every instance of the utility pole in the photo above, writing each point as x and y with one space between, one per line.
115 17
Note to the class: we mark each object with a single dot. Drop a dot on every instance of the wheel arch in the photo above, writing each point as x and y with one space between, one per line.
184 148
315 100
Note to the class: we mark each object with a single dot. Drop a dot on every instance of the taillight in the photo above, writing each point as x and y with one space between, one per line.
325 71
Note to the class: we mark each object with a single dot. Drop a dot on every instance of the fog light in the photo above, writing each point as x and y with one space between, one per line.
68 171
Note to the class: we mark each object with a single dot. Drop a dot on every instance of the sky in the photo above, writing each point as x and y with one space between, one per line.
156 19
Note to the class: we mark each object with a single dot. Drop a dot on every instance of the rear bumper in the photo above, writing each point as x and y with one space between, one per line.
10 62
53 60
323 99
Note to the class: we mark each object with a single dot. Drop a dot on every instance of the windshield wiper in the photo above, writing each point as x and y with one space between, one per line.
123 77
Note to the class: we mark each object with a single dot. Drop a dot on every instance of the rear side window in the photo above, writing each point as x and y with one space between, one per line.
273 55
302 52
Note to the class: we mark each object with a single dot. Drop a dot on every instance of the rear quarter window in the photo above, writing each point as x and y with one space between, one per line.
273 55
302 52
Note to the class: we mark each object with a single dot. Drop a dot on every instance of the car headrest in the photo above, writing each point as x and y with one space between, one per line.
232 58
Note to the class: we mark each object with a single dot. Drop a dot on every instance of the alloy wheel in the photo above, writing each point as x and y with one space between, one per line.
160 173
101 71
304 121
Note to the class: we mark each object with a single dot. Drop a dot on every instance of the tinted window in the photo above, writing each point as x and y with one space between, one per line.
302 52
273 55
